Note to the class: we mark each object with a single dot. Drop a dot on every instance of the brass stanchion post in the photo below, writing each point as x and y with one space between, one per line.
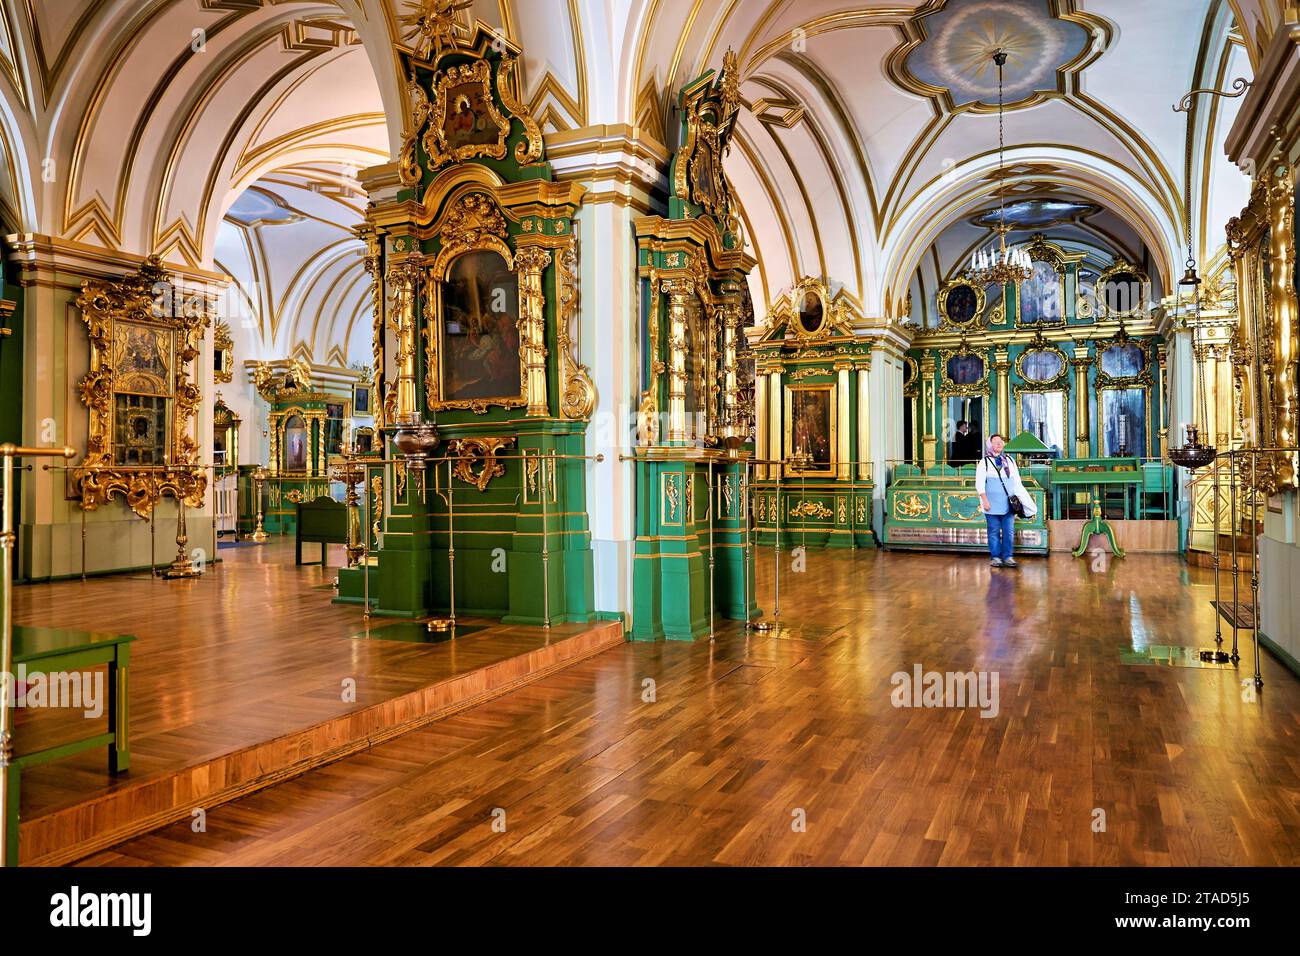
8 539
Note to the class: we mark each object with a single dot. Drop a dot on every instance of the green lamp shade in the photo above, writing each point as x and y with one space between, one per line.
1026 442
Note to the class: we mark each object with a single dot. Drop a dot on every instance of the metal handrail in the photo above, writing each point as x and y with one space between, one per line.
8 452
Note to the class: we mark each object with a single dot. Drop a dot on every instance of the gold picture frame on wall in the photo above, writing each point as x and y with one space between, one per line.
144 335
223 354
811 430
961 305
1119 274
970 384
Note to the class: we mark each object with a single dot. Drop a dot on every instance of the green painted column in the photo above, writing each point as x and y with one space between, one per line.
670 577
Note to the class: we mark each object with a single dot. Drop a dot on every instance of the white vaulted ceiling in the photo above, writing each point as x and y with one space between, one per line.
890 152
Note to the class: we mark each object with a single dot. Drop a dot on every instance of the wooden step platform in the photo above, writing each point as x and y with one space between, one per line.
231 693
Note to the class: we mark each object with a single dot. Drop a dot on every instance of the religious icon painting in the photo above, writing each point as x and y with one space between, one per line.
1042 297
965 369
479 356
810 428
467 122
361 399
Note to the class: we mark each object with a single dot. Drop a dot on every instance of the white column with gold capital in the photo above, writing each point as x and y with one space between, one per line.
621 170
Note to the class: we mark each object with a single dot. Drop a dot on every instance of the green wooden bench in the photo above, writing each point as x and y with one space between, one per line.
323 520
46 650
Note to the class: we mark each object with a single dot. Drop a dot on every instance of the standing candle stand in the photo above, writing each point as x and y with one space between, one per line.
259 478
351 473
182 566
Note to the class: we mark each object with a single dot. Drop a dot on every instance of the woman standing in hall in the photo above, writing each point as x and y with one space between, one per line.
997 479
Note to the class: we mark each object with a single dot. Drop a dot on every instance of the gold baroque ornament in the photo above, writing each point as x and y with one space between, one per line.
470 451
578 398
529 149
463 112
810 509
138 393
408 164
431 24
710 114
912 506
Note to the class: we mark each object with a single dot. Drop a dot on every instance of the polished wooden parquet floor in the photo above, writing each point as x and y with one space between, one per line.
252 651
785 748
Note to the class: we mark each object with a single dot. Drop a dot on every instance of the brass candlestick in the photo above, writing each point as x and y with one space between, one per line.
182 565
259 476
351 473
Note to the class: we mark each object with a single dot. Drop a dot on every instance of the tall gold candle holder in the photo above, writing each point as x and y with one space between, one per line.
259 477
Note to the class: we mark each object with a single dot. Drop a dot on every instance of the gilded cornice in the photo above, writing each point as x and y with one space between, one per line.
1271 108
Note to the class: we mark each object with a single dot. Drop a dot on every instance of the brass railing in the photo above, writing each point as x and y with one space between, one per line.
8 452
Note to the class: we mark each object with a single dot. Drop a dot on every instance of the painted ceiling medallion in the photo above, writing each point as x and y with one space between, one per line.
1037 213
950 54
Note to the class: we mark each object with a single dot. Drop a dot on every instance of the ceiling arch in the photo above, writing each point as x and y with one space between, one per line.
872 144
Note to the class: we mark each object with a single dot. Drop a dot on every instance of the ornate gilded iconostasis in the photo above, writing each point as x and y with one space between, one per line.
1073 359
813 415
471 246
1068 363
309 426
695 419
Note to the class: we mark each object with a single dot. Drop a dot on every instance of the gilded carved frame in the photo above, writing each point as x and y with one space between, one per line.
948 388
1105 382
1060 383
1262 244
1040 250
977 321
477 73
832 392
223 345
1102 307
134 300
474 223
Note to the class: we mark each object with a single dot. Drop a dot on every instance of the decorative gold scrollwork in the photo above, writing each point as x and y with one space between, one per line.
912 506
578 397
143 336
810 509
470 451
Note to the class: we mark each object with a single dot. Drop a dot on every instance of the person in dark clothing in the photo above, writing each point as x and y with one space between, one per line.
965 445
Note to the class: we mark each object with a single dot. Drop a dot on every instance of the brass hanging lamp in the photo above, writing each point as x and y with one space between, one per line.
998 265
1194 453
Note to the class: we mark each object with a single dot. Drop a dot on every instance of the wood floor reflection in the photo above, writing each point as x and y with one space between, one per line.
1090 760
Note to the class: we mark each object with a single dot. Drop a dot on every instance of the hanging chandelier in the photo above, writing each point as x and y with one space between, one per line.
998 264
1193 453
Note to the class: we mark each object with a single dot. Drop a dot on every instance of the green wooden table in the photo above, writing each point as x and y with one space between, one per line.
1094 476
47 650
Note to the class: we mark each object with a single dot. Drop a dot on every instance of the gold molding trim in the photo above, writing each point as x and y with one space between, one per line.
578 391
